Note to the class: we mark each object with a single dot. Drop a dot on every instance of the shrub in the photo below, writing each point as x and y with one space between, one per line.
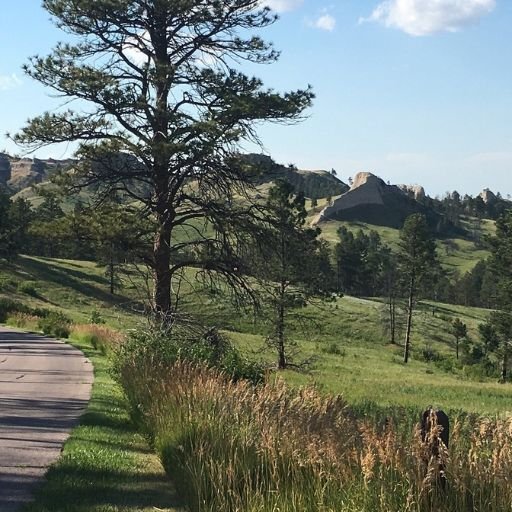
8 306
28 287
96 318
429 354
187 343
7 284
55 324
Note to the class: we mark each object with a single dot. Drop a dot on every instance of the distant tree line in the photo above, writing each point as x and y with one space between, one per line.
454 206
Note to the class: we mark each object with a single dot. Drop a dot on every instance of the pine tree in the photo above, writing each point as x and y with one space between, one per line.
417 259
294 264
164 110
459 330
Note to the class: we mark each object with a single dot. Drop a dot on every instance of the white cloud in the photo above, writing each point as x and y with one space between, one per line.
9 82
325 22
425 17
282 5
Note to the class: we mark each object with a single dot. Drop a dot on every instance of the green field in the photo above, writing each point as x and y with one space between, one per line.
345 338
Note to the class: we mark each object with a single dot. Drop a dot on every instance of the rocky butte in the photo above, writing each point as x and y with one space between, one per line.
371 200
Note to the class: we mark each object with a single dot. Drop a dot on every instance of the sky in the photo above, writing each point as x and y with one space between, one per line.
415 91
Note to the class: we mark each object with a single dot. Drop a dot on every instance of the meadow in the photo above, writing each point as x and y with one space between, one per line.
342 435
343 339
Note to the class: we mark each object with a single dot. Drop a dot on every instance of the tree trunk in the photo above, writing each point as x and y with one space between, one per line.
161 156
504 365
457 347
281 350
111 270
392 319
410 307
162 272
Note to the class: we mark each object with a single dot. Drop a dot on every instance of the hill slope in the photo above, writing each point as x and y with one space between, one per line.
345 337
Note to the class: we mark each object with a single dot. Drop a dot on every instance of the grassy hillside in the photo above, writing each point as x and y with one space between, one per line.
345 338
456 254
77 288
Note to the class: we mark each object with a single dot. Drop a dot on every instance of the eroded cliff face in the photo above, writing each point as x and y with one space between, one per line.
371 200
488 196
20 173
313 184
415 191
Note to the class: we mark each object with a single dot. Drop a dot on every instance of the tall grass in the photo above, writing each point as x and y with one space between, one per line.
236 447
101 337
23 321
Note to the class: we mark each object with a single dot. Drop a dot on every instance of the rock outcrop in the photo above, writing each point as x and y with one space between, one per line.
488 197
20 173
371 200
415 191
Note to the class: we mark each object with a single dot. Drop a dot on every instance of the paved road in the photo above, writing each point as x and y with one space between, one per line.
44 388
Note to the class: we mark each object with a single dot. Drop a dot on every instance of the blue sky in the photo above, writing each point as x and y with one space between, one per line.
416 91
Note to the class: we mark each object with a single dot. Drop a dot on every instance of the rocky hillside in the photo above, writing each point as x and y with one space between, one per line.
314 184
373 201
19 173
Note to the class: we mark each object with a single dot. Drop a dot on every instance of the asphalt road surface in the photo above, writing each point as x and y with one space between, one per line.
45 385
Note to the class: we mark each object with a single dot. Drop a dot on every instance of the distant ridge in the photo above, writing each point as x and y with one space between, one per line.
313 184
19 173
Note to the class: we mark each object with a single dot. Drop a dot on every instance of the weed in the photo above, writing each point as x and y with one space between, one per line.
28 287
55 324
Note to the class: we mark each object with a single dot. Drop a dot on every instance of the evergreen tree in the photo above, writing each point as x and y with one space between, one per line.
459 330
20 218
164 110
6 243
500 263
294 263
417 259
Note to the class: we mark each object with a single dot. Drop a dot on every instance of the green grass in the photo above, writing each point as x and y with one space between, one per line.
457 254
368 368
76 288
106 466
345 338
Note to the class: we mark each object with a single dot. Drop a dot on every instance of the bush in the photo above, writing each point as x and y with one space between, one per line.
96 318
55 324
191 344
430 355
7 284
28 287
8 306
